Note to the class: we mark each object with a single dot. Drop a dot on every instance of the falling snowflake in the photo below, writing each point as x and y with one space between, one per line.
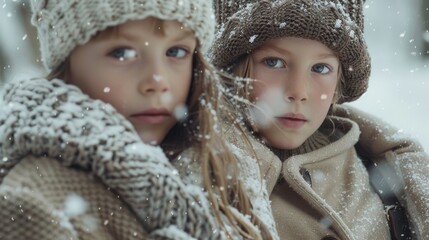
252 38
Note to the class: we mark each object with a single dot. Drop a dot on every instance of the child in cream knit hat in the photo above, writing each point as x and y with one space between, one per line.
80 150
294 60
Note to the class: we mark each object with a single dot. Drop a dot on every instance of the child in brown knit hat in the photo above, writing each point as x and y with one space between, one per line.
77 151
295 60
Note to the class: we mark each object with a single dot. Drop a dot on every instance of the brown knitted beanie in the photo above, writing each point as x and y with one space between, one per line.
244 25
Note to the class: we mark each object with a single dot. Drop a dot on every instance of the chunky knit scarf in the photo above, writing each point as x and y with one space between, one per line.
56 120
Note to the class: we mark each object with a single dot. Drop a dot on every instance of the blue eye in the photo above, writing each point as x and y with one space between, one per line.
320 68
123 54
176 52
274 63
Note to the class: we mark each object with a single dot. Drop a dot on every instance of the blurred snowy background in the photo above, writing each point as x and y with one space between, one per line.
397 34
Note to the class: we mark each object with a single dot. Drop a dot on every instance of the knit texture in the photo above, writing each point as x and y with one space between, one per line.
338 24
62 25
52 119
314 142
41 199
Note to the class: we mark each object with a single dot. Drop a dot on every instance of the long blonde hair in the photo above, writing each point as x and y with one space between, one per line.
202 131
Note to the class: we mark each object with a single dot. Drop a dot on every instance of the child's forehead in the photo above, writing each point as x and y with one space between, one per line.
149 25
291 44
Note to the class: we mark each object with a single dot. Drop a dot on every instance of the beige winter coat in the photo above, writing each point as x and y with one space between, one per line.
380 141
40 199
326 193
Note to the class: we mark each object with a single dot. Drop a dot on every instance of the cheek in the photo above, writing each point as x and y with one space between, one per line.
256 90
99 84
261 81
92 84
324 97
108 92
113 89
180 82
262 74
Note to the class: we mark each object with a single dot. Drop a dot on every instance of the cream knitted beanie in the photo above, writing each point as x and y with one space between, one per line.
64 24
244 25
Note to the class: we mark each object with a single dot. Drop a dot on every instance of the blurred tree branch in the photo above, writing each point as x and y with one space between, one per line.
425 27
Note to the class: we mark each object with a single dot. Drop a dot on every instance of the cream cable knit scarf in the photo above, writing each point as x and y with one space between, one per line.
56 120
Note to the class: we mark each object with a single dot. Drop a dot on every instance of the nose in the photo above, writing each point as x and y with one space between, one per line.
155 80
296 88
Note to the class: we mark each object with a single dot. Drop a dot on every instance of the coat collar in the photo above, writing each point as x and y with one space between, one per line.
272 167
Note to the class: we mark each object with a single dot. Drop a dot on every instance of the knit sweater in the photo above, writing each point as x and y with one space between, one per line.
41 199
56 121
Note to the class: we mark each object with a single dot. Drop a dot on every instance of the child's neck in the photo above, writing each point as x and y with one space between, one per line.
314 142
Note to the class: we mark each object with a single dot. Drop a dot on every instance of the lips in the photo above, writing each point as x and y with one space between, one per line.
151 116
292 120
